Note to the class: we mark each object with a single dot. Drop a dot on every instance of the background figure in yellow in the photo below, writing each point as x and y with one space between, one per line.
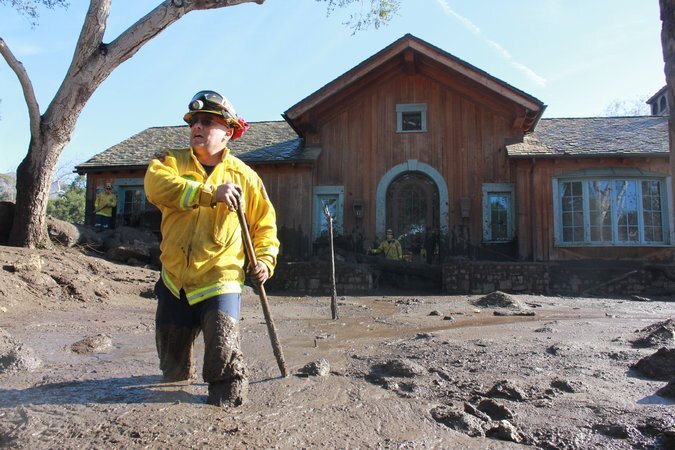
390 247
103 207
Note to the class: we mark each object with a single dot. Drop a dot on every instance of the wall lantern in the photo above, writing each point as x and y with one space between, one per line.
464 206
358 208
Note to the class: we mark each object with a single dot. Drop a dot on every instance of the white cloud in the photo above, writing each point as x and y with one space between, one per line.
505 54
24 49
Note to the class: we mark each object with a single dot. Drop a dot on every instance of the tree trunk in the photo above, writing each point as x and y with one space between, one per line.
668 44
33 183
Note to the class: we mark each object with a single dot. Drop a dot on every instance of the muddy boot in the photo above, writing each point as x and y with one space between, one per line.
228 393
174 348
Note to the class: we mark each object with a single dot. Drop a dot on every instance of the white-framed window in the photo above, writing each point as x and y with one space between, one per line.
498 212
411 117
333 197
607 208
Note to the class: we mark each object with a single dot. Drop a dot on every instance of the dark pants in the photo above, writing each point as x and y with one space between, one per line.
177 324
103 222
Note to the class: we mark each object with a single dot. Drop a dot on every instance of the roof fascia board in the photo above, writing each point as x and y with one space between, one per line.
398 48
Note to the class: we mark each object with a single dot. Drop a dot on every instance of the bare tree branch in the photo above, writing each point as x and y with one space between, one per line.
92 32
26 85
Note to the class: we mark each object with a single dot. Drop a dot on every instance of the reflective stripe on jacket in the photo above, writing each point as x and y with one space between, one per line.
202 247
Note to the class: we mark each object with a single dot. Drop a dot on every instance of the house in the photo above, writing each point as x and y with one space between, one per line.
454 160
658 103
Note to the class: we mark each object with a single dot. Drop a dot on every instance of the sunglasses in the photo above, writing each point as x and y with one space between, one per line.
206 120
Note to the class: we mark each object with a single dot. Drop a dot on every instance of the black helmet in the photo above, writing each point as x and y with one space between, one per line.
211 102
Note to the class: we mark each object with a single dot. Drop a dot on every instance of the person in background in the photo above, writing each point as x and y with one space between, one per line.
198 191
390 247
103 208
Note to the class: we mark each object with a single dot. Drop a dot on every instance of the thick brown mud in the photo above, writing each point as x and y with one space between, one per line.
562 378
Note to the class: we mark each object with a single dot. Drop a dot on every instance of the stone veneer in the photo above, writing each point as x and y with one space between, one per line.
575 278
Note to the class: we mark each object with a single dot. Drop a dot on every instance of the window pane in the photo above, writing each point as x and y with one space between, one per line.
411 121
499 216
651 211
627 210
600 210
331 202
572 211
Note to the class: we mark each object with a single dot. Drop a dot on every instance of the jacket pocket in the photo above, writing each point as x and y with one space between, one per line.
226 227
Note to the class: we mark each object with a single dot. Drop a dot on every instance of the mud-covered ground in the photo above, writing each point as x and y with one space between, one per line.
78 368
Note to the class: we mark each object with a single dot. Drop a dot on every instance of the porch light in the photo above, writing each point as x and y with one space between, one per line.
358 208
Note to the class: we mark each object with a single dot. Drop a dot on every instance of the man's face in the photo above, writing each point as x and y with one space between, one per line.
209 133
390 236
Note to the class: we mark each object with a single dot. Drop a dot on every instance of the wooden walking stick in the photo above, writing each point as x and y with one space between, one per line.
271 329
333 296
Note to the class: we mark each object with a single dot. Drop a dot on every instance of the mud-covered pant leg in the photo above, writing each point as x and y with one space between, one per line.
224 367
175 333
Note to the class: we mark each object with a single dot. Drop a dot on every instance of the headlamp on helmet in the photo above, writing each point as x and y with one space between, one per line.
211 102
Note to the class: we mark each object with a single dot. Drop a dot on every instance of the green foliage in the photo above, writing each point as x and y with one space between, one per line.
7 189
29 8
69 206
379 13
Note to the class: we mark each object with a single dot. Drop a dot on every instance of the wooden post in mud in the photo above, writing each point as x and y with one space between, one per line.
271 329
333 295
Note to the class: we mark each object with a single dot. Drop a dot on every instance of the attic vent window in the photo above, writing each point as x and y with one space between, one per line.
411 117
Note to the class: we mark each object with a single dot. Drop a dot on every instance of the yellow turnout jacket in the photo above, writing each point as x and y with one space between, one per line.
202 246
104 203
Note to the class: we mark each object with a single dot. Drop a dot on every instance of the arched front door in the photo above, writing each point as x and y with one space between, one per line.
413 210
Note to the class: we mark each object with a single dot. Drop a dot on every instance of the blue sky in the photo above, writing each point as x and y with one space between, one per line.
577 56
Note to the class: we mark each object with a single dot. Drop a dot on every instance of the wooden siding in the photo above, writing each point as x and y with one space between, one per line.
290 190
464 143
535 215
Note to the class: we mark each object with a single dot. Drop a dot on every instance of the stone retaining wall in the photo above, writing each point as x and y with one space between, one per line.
575 278
559 278
314 278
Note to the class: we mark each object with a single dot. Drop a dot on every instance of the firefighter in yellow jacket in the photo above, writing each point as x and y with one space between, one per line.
103 208
390 247
198 191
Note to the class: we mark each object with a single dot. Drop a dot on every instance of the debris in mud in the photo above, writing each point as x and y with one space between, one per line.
458 420
409 301
30 262
319 368
545 329
499 299
15 356
668 390
659 334
399 368
659 366
514 313
568 386
434 313
494 409
448 318
508 390
504 431
615 431
98 343
424 336
560 349
470 409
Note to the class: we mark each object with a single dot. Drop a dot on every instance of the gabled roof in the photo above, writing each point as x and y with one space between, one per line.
657 95
408 51
595 137
264 143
